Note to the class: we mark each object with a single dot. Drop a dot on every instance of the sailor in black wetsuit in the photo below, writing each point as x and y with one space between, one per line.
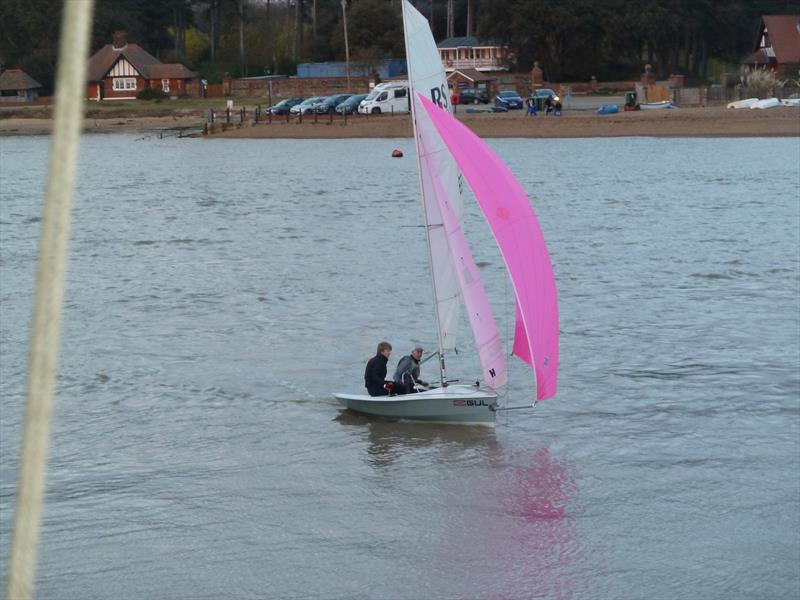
375 373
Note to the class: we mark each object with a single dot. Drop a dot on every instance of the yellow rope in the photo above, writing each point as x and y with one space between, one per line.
46 326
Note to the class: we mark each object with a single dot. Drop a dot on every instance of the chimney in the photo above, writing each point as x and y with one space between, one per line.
120 40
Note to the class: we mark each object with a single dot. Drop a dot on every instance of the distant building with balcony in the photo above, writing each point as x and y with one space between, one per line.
471 53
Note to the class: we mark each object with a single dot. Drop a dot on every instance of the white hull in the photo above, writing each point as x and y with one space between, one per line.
465 405
657 105
746 103
767 103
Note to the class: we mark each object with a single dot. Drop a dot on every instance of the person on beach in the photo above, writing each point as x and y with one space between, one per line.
531 104
454 100
406 376
375 373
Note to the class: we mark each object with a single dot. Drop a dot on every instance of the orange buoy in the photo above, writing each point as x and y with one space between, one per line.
397 154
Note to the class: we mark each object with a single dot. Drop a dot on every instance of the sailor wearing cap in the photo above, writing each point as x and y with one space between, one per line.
406 376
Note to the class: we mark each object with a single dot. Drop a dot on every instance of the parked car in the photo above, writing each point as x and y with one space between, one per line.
328 105
306 106
544 93
473 96
541 96
283 107
350 106
508 99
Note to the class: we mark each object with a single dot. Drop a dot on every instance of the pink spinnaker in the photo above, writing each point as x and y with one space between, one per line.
479 313
516 230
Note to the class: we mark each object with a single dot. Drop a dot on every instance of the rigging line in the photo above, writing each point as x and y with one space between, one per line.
46 324
412 106
523 407
508 364
427 358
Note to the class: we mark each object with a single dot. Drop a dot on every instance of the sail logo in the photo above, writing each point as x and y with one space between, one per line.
492 372
469 403
439 96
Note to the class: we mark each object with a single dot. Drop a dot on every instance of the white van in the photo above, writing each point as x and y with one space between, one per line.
389 97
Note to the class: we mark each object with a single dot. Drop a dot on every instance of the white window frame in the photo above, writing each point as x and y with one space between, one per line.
123 84
165 86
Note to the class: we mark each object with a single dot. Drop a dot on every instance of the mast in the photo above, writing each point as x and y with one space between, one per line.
412 101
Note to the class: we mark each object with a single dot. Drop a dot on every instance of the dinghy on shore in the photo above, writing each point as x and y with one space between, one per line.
746 103
767 103
657 105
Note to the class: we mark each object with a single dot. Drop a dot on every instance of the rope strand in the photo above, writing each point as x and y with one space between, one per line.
46 324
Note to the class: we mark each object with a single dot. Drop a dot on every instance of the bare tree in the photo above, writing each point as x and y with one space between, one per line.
179 25
214 27
450 19
241 37
298 32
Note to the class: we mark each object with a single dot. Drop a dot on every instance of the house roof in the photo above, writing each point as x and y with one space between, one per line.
784 36
148 65
171 70
466 42
759 57
472 74
458 42
17 79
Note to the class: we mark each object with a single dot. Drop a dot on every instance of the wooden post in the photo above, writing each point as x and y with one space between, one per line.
228 116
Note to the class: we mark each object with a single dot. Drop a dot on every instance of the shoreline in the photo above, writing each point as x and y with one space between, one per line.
680 122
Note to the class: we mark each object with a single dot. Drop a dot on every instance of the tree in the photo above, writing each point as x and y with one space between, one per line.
29 32
374 28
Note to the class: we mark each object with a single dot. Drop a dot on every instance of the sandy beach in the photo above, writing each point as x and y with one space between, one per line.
681 122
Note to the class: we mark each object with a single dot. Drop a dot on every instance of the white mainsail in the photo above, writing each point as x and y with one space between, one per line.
455 276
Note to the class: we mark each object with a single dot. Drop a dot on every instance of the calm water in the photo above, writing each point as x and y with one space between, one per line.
219 292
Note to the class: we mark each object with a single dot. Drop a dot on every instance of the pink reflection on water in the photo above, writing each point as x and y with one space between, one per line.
542 489
517 536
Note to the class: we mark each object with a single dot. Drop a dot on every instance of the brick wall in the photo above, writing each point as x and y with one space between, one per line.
305 87
290 87
521 82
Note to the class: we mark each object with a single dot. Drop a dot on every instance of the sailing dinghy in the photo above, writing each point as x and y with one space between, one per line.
447 151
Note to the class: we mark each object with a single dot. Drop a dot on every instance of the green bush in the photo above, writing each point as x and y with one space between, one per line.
151 94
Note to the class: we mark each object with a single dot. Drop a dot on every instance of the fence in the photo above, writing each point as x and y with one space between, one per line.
223 119
712 95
